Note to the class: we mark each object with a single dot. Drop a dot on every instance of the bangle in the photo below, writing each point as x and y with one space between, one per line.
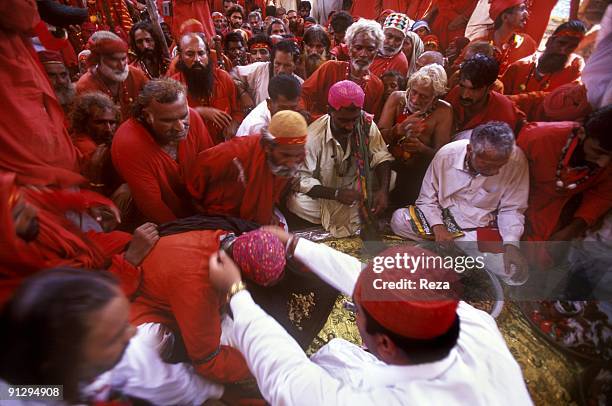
235 288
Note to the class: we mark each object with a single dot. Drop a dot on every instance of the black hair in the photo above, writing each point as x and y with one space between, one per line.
275 21
481 70
260 38
340 21
317 33
310 20
164 90
287 46
233 37
572 25
401 80
418 351
45 324
305 5
148 27
284 85
233 9
271 11
598 124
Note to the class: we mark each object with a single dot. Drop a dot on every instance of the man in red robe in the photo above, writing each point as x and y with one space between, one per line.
473 100
364 38
448 19
34 142
37 233
153 150
554 67
110 73
509 17
246 176
391 57
567 160
210 90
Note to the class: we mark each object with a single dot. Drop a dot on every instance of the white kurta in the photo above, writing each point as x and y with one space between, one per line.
255 121
479 371
256 76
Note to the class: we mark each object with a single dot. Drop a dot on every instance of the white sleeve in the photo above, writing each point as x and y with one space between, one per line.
337 269
428 197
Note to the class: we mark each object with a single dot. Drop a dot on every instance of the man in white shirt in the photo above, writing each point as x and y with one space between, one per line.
345 153
438 351
480 184
253 79
284 94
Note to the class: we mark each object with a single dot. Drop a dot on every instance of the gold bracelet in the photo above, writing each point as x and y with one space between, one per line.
235 288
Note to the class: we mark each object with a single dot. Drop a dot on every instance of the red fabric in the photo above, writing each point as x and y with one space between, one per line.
520 76
316 88
198 9
539 16
530 104
86 147
418 313
364 9
499 6
182 298
449 10
341 53
221 188
567 102
224 98
518 47
396 62
416 9
104 46
33 140
155 179
542 144
128 91
498 108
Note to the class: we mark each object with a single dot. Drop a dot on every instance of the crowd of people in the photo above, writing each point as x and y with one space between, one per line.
158 155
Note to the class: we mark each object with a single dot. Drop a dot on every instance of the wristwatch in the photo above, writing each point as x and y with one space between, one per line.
235 288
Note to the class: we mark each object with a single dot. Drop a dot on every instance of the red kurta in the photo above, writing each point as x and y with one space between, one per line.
185 9
316 88
155 179
520 76
542 144
181 297
519 46
224 97
416 9
448 10
397 62
33 140
498 108
59 242
234 179
127 94
364 9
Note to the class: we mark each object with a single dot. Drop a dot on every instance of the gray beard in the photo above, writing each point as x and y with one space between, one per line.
112 74
281 170
65 95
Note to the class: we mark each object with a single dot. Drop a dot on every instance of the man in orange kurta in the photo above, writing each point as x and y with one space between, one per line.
153 151
34 142
110 73
210 90
245 177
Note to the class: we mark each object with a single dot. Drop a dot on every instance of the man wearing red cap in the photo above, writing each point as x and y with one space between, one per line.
556 66
423 346
346 174
390 56
364 39
246 176
110 73
153 150
59 77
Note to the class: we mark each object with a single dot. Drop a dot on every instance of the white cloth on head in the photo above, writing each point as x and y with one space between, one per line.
596 74
255 121
480 370
479 22
321 9
256 77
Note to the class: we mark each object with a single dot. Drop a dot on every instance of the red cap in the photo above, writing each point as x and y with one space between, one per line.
47 56
104 46
418 312
499 6
191 25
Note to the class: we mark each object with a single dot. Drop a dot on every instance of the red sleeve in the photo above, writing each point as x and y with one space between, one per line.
509 78
18 15
195 306
86 147
129 276
596 201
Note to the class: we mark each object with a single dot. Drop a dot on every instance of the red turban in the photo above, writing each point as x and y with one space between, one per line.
50 57
431 39
261 256
499 6
567 103
417 312
191 25
345 94
104 46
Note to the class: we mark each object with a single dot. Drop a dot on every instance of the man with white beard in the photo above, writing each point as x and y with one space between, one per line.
110 73
390 56
59 77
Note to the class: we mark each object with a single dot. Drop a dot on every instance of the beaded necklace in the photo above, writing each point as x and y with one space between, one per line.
563 165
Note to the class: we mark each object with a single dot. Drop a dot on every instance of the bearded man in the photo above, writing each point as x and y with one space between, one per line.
110 73
391 57
147 45
316 49
548 70
58 75
210 90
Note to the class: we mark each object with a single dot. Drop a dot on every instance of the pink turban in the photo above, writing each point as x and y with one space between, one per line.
567 103
261 256
345 94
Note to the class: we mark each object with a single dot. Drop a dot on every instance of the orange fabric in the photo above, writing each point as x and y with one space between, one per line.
397 62
417 9
364 9
183 299
498 108
539 16
316 88
234 179
224 98
198 9
128 92
448 10
33 140
155 179
520 76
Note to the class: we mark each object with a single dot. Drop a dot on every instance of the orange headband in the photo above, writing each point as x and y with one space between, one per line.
291 140
569 33
260 45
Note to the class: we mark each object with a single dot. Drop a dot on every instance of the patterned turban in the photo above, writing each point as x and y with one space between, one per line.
261 257
345 94
399 21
